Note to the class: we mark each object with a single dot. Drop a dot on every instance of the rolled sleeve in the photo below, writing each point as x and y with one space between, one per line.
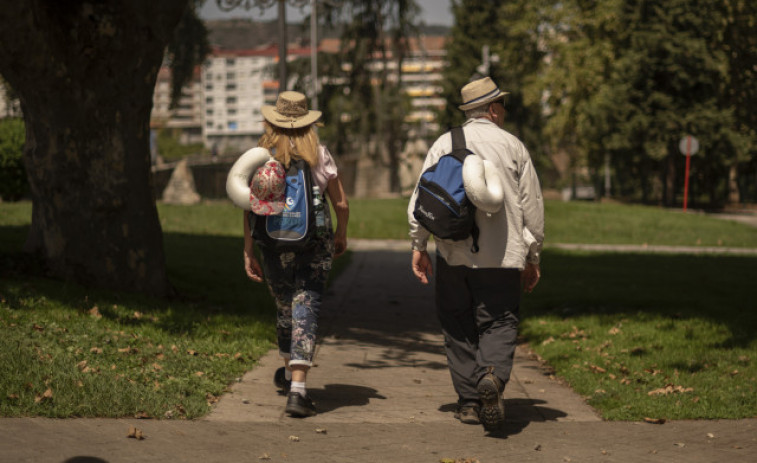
532 204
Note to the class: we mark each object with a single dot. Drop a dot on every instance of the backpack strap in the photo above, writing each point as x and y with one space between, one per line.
459 151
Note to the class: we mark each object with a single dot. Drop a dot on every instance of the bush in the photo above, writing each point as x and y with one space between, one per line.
13 182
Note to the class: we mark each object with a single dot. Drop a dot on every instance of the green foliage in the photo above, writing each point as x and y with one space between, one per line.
629 78
171 149
187 49
368 105
13 182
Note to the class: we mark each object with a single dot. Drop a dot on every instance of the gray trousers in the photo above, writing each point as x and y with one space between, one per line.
478 310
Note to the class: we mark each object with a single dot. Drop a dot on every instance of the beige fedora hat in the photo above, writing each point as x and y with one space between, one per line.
480 92
290 112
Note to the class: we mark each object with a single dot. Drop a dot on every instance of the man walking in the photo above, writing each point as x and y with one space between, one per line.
478 293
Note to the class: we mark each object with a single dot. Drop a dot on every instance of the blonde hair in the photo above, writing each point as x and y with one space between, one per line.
288 144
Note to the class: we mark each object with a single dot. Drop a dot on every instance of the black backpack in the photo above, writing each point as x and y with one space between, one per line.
293 229
442 207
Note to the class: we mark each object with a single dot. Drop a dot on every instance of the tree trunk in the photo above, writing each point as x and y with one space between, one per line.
85 74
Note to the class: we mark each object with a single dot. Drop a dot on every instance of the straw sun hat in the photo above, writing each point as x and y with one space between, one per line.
480 92
291 111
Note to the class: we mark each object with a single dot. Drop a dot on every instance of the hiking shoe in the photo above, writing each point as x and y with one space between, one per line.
299 406
492 412
281 381
468 414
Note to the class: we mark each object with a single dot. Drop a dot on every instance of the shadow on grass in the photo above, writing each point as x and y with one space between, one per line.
678 286
206 270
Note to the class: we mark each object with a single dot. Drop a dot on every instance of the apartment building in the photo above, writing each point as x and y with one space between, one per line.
421 77
186 117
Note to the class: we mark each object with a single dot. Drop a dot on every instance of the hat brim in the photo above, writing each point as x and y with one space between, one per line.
261 207
499 95
288 122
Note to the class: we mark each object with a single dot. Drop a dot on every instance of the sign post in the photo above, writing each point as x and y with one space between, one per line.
688 146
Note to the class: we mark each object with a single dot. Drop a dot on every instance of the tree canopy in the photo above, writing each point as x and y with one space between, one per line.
624 80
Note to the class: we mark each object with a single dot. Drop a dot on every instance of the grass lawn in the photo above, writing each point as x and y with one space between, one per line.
639 335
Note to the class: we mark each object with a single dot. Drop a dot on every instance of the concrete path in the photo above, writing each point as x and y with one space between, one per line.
384 394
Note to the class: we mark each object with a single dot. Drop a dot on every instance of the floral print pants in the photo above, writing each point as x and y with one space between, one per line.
297 281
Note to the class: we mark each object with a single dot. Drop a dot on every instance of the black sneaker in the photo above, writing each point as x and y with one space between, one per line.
468 414
492 412
281 381
299 406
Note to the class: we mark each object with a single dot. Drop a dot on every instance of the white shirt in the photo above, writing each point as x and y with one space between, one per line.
508 237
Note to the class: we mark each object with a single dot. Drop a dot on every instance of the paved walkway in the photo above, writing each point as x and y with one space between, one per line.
384 394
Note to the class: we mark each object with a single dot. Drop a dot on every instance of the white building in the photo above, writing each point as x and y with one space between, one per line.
236 84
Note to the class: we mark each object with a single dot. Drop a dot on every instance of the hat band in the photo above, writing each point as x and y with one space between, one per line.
483 97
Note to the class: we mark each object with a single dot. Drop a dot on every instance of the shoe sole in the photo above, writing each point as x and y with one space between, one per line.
492 413
299 412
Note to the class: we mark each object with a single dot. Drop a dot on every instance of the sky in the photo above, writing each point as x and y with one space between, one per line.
434 12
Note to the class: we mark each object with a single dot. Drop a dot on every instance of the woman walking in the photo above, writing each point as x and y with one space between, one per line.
296 280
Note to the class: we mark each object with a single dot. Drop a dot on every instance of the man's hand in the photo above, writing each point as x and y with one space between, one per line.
422 266
530 277
252 267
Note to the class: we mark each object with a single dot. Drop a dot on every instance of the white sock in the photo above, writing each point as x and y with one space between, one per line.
299 387
288 374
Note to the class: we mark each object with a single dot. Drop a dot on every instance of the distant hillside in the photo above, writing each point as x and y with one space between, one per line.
235 34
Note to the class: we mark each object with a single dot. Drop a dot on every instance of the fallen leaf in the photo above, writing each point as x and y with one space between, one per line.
614 330
96 350
95 312
710 435
655 420
47 395
135 433
137 315
264 456
680 444
538 447
199 373
294 438
321 430
81 365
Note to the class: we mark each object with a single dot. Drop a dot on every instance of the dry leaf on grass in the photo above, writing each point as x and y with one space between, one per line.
670 389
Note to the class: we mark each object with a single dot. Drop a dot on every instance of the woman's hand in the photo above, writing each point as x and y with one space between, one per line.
252 267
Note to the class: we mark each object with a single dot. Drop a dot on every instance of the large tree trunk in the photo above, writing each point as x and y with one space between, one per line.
85 73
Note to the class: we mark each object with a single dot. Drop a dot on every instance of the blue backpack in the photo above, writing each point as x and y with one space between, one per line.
293 229
442 207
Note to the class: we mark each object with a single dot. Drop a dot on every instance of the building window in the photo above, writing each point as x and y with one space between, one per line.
209 112
231 76
232 125
230 61
209 100
231 112
209 124
231 86
208 86
231 100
